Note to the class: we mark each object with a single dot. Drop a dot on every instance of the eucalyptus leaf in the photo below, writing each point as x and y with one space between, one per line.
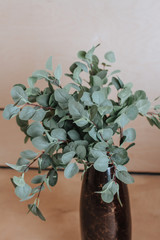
109 56
49 64
67 157
124 177
40 142
58 72
130 134
19 96
35 129
101 164
23 191
26 113
28 154
71 170
10 111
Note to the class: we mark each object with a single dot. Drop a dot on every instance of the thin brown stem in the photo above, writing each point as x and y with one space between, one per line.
37 105
40 189
34 160
152 113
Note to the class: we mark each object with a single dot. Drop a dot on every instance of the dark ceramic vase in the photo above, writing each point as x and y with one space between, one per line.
100 220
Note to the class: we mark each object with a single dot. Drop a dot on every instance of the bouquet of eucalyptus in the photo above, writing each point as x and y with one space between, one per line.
75 124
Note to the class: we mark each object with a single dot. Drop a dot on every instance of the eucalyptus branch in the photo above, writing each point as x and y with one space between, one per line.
37 105
153 113
40 189
34 160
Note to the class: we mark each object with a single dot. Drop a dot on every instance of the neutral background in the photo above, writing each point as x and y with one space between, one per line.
33 30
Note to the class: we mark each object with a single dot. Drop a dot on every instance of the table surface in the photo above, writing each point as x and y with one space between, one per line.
61 209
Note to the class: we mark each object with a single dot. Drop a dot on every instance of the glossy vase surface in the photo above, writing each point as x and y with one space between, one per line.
100 220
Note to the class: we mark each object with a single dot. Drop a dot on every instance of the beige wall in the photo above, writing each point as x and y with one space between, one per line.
31 31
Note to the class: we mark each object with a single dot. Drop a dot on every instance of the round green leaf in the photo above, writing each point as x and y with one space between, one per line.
109 56
130 134
101 164
71 170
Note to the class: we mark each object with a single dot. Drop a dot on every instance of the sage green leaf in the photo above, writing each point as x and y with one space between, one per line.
74 135
109 56
81 152
35 210
53 177
15 167
32 92
143 106
39 115
107 196
157 107
20 85
19 96
59 134
19 181
81 122
39 214
101 164
120 156
132 112
130 134
58 72
82 66
140 94
40 142
124 94
40 74
122 120
76 76
124 177
93 133
23 162
50 123
115 72
117 82
78 64
71 85
23 191
86 99
106 107
28 154
10 111
32 208
89 54
49 64
101 146
75 109
98 97
38 179
96 153
102 74
43 100
97 81
93 111
45 161
130 145
106 133
35 129
67 157
121 168
81 55
32 81
71 170
61 95
26 113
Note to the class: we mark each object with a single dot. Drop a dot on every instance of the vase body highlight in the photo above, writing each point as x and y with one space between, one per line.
100 220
